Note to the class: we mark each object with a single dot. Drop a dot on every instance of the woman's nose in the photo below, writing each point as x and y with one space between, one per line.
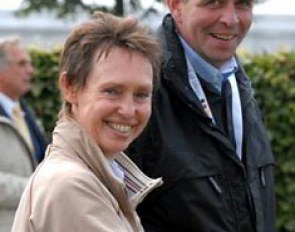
127 107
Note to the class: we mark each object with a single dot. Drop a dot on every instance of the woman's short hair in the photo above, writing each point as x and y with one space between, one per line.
98 36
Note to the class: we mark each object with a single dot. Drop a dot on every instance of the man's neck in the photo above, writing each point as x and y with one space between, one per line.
204 69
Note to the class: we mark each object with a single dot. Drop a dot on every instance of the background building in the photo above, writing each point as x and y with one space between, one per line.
273 26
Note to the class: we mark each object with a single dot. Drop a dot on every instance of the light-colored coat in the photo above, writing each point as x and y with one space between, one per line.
16 165
74 189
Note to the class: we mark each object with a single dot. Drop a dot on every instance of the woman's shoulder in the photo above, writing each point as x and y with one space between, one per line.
60 175
63 191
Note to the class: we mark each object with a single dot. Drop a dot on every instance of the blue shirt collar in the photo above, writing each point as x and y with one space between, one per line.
7 103
205 70
117 171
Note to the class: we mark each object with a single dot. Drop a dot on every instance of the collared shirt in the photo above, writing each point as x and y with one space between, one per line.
207 71
214 76
118 172
7 103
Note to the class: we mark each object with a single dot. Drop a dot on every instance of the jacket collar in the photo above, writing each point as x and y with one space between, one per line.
175 67
71 136
172 50
175 70
175 76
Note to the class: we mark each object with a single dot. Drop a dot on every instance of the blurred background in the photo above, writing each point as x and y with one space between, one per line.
46 23
268 54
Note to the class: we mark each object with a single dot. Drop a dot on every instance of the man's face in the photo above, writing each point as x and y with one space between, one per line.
213 28
16 75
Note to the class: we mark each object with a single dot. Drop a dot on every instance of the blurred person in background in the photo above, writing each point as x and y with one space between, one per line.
22 143
108 70
206 135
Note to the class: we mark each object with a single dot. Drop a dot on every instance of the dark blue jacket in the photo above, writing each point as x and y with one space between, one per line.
206 187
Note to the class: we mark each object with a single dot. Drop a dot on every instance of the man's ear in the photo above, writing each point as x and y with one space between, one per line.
67 89
175 7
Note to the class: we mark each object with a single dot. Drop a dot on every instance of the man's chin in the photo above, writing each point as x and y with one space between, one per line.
24 92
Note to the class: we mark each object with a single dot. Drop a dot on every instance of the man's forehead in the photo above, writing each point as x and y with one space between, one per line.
18 52
19 56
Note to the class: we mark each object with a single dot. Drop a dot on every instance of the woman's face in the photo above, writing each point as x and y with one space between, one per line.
115 104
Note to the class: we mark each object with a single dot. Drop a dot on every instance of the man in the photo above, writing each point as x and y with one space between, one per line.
206 136
22 144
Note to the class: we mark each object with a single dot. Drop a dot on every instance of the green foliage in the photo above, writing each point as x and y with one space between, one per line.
273 78
62 8
65 8
44 96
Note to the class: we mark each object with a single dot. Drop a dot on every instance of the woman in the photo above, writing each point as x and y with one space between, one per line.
108 70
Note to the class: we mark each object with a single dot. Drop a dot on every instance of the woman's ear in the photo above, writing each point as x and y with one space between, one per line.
67 89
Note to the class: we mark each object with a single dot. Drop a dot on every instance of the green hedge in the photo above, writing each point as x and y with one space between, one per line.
44 96
273 77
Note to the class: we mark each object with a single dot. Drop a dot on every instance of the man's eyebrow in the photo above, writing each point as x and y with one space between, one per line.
250 2
22 61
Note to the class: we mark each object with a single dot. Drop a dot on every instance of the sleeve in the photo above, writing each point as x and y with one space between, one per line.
77 204
11 189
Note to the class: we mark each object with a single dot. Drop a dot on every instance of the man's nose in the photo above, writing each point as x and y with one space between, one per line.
30 69
229 15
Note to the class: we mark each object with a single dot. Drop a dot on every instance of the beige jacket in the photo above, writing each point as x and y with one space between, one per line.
74 189
16 166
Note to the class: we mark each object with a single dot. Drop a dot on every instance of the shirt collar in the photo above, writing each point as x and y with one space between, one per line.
7 103
205 70
229 66
117 171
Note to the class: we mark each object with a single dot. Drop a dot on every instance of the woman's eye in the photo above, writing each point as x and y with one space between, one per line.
111 91
212 2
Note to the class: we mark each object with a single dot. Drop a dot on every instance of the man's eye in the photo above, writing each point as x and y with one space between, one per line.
21 63
143 95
